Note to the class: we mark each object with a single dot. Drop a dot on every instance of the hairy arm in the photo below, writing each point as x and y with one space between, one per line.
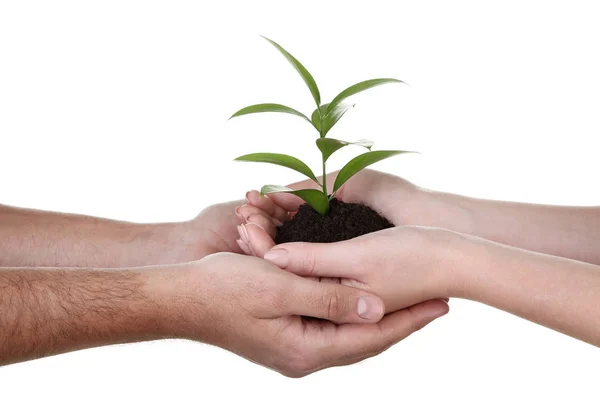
47 311
34 238
571 232
243 304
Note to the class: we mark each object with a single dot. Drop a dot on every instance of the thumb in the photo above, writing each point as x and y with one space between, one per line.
334 302
335 260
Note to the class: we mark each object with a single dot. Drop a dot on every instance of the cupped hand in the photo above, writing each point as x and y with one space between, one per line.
400 201
403 265
214 230
259 311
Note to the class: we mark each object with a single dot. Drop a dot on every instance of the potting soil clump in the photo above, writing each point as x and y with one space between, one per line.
344 221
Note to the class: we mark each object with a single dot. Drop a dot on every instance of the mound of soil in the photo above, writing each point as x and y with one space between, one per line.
344 221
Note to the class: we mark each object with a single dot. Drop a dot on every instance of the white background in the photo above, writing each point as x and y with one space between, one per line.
119 109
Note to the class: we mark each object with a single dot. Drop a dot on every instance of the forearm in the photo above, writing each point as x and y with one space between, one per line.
571 232
47 311
556 292
34 238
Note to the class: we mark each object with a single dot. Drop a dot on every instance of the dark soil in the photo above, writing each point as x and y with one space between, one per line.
344 221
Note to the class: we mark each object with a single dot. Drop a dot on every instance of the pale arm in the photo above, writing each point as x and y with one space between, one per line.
565 231
559 293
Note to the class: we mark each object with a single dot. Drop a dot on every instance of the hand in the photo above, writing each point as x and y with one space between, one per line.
403 265
214 230
400 201
395 198
253 308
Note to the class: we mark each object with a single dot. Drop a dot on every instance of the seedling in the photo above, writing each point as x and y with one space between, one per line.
323 118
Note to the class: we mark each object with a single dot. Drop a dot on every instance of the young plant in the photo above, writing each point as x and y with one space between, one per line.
323 118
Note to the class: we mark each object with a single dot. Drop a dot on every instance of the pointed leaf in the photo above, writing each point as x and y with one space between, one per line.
308 79
360 162
359 87
280 159
333 116
268 107
316 117
314 198
330 116
329 146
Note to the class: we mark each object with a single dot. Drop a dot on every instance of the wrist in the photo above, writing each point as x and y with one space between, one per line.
168 243
464 257
180 298
444 210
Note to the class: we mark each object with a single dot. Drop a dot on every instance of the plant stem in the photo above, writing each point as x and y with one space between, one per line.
324 178
324 185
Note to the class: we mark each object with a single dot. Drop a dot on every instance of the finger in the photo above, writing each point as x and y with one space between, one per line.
258 239
264 203
243 246
287 201
356 342
403 323
244 238
337 260
334 302
263 222
245 211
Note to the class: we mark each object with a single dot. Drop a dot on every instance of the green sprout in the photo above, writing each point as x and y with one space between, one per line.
323 118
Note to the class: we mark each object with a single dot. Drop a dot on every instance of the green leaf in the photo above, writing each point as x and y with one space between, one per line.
330 117
280 159
268 107
314 198
329 146
316 117
333 116
359 87
308 79
362 161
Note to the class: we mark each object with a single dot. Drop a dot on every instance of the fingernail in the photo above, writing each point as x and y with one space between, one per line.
251 249
243 246
278 257
247 197
237 212
243 233
369 308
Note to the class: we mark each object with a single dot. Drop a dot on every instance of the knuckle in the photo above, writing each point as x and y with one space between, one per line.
334 302
308 262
